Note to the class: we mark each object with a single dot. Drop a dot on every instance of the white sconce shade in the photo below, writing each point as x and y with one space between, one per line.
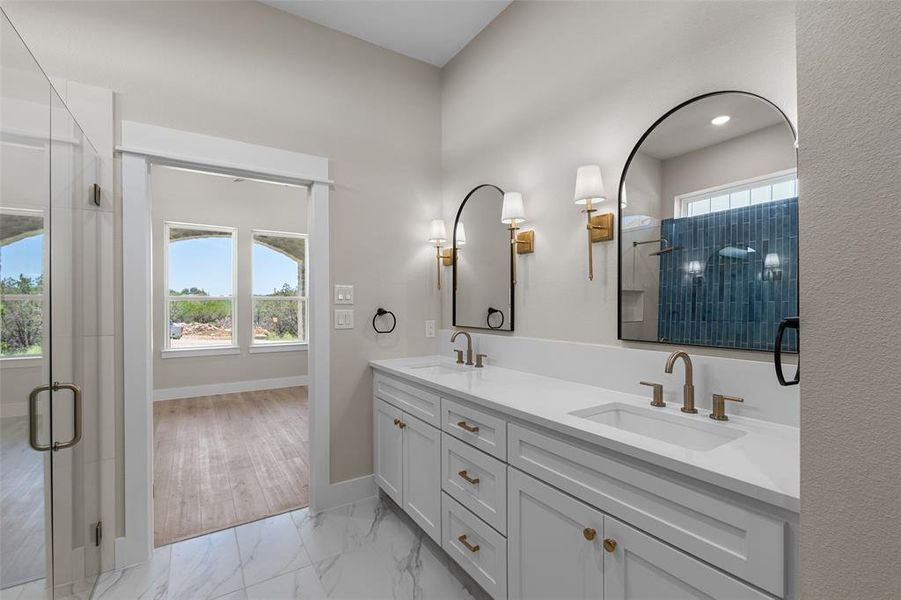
624 201
437 231
460 235
589 185
771 261
513 211
694 267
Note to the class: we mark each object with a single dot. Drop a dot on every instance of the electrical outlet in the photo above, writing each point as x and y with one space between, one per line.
430 328
344 319
344 294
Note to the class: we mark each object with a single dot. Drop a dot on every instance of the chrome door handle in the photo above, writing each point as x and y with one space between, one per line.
33 418
57 386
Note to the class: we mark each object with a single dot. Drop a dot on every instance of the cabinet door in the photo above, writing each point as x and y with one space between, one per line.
643 568
422 475
387 438
549 553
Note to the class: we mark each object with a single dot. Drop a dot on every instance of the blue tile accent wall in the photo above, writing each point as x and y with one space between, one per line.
718 288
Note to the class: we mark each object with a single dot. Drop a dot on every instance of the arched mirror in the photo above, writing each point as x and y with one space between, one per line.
483 277
708 245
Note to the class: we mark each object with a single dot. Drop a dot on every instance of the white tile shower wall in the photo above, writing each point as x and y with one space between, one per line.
621 369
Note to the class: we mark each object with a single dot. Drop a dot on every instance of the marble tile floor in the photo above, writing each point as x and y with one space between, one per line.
367 550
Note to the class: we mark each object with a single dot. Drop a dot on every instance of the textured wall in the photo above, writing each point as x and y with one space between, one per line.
849 102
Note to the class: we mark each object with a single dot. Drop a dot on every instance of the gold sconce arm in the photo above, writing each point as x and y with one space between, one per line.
600 229
521 243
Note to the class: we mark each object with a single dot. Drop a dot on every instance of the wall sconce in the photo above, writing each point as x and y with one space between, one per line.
694 268
772 266
448 253
437 236
590 191
511 214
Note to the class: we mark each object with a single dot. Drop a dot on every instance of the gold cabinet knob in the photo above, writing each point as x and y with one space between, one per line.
609 544
401 424
589 533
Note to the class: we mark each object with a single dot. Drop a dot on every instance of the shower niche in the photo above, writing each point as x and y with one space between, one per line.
708 245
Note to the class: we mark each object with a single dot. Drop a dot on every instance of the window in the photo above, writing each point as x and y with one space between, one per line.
770 188
200 279
21 282
279 288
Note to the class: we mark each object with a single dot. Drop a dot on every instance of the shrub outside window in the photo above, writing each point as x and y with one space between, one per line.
279 288
200 279
22 269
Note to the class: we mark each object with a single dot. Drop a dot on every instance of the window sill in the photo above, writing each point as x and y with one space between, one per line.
21 362
285 347
191 352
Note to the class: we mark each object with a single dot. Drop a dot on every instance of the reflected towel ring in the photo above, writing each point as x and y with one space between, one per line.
380 313
491 311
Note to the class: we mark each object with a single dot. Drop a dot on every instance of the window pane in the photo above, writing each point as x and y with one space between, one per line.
278 320
20 327
196 323
739 199
760 194
279 264
200 262
22 253
783 190
699 207
719 203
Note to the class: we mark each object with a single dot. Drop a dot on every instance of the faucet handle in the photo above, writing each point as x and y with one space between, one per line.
459 356
658 393
479 358
719 406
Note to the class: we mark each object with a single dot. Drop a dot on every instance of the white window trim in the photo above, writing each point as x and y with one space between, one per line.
681 201
45 280
278 347
166 351
257 346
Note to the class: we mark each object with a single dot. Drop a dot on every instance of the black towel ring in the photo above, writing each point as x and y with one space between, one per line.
382 312
491 311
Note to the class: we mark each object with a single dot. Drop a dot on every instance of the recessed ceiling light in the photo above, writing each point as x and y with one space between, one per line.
720 120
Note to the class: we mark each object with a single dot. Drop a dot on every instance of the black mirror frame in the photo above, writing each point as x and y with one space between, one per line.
454 267
619 215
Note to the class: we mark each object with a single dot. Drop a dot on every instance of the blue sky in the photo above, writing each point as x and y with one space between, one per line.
206 263
22 257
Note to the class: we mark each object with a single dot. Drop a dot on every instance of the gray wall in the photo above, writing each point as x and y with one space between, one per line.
186 197
288 83
549 86
849 94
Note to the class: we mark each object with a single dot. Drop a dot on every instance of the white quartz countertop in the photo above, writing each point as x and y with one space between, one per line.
763 463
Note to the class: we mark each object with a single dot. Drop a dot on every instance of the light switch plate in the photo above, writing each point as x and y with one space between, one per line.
344 294
344 318
430 328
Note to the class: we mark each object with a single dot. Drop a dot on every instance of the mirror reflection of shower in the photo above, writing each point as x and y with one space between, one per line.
665 246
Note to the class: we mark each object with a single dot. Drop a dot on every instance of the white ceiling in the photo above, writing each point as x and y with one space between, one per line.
432 31
690 128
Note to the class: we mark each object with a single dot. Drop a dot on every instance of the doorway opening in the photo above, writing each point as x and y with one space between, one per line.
230 338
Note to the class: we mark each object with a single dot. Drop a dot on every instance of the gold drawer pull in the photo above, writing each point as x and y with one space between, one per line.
589 533
465 475
469 546
468 427
401 424
609 544
397 421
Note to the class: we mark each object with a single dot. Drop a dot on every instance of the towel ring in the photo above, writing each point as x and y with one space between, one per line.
491 311
380 313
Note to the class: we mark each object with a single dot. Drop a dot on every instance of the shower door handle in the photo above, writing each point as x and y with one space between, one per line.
76 415
33 418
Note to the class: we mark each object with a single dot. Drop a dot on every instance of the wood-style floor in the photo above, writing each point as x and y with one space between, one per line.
220 461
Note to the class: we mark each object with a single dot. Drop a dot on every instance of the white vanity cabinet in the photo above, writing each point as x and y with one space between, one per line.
531 513
407 464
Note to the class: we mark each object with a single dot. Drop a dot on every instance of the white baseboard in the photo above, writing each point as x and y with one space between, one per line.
229 388
344 492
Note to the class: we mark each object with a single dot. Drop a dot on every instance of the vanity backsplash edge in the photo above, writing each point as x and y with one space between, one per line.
621 369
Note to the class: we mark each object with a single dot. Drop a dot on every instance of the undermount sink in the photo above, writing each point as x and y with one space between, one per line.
671 429
439 369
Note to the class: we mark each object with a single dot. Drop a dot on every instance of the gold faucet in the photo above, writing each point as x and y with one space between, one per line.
688 390
468 347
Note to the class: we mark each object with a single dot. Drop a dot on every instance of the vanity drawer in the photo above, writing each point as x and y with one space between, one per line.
413 400
459 420
482 552
740 541
461 466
